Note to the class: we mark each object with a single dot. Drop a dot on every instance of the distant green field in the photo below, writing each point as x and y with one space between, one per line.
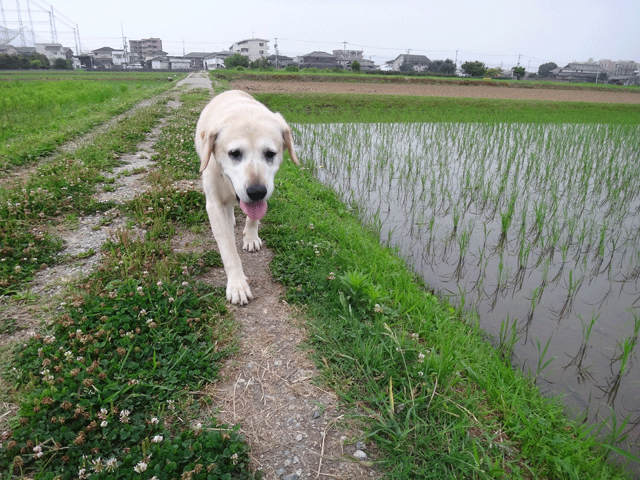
338 108
41 110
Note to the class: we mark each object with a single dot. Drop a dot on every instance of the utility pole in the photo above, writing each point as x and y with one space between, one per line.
124 44
277 53
344 54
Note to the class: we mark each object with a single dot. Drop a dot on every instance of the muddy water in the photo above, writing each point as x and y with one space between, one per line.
535 229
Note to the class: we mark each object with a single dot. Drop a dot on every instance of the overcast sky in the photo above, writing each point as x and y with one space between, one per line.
496 32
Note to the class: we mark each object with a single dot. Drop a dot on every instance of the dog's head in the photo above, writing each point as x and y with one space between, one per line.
249 147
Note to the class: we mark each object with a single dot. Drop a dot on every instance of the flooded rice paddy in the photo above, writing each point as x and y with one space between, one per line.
533 229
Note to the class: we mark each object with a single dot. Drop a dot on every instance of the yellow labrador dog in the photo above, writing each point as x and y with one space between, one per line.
240 143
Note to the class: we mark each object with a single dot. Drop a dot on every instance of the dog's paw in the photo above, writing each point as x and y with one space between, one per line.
251 243
238 291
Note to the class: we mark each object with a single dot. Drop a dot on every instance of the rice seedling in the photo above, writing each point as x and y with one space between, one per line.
557 203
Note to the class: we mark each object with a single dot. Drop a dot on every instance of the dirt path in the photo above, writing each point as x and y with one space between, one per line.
467 91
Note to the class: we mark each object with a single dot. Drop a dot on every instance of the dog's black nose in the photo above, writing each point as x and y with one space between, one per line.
257 192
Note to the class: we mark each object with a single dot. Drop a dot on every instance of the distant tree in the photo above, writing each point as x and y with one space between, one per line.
406 67
474 69
355 66
494 73
62 64
518 72
236 60
259 64
43 59
442 66
544 70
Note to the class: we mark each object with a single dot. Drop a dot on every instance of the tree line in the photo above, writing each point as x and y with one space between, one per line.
35 61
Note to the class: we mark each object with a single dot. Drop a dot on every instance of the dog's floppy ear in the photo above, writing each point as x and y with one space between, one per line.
208 144
287 134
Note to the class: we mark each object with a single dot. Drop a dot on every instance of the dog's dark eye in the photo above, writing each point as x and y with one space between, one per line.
235 154
269 155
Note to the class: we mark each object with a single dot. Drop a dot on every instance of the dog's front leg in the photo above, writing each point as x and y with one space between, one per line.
250 240
222 223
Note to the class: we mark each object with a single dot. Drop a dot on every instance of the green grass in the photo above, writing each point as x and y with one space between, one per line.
40 111
340 108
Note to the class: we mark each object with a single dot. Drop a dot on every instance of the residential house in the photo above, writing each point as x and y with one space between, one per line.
317 60
160 63
280 61
179 63
580 72
215 61
197 59
53 51
347 57
417 63
107 58
624 72
255 48
26 50
8 50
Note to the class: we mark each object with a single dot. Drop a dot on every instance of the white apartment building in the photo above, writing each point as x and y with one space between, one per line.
255 48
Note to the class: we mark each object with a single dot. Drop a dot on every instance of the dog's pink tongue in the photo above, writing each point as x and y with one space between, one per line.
254 210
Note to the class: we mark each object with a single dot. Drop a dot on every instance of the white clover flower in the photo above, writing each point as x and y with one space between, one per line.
37 450
97 465
157 439
124 416
104 423
155 421
140 467
111 464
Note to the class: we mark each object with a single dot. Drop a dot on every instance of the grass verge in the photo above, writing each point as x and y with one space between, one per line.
440 402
